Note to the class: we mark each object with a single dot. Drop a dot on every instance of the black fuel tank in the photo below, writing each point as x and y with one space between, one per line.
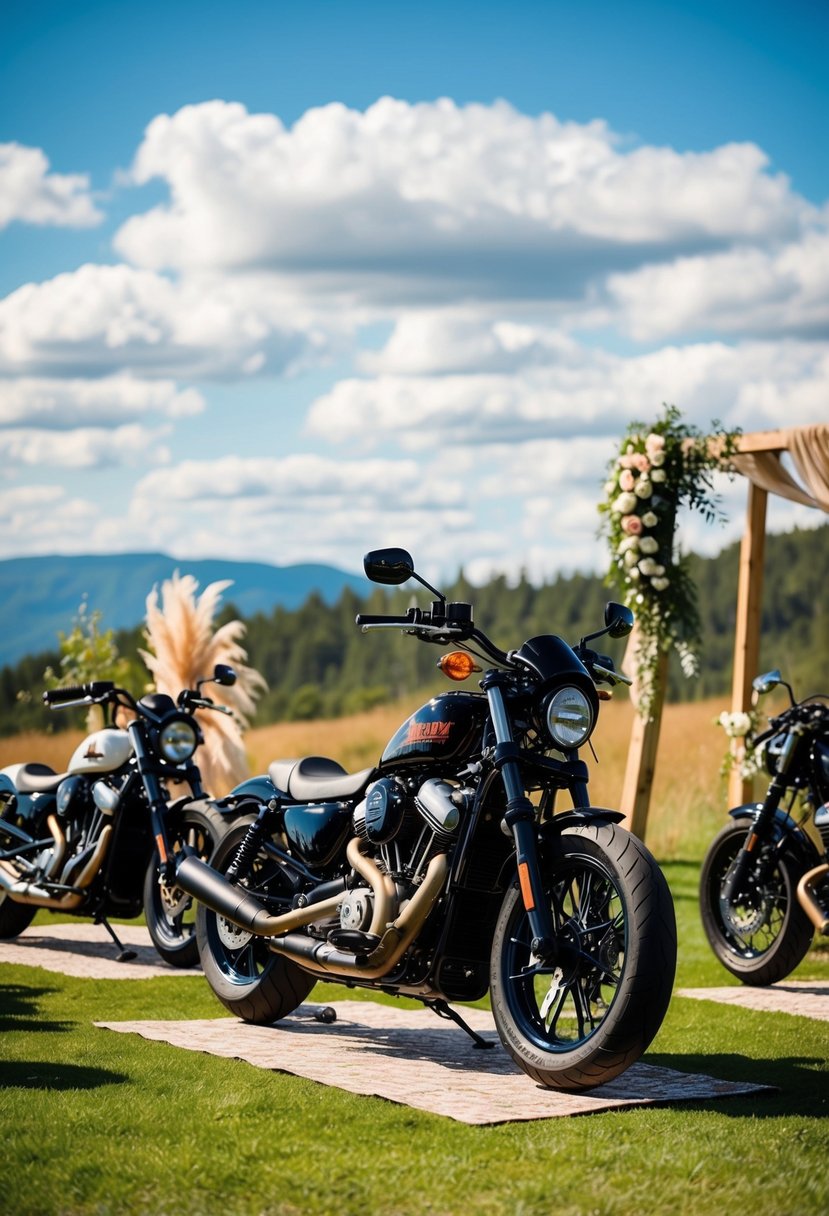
443 729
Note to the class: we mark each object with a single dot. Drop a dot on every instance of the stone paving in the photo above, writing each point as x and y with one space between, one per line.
803 998
82 949
409 1056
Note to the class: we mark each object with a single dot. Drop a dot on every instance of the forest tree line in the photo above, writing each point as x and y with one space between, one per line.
317 663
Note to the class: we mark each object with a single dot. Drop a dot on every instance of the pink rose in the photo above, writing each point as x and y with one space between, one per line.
625 462
632 524
641 462
626 480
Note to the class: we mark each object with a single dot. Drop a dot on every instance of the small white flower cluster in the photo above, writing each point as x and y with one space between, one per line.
736 725
636 474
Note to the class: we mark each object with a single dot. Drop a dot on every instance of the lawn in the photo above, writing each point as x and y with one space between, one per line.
97 1123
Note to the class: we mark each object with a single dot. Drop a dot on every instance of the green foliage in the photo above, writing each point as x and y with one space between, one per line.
318 647
87 653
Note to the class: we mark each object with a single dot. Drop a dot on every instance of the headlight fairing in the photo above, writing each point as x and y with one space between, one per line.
570 717
178 738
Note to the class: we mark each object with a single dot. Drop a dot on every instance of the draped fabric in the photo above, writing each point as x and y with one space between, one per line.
808 447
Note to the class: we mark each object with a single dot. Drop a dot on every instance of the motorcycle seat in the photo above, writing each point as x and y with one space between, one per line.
317 779
37 779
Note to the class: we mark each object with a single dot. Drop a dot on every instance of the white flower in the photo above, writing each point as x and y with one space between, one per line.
633 572
660 584
648 544
654 442
643 488
647 566
736 725
630 542
625 503
650 519
657 458
657 474
609 488
631 558
660 570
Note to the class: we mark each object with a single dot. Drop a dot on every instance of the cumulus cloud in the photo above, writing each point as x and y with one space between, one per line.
98 319
84 447
33 195
564 389
110 401
783 290
435 199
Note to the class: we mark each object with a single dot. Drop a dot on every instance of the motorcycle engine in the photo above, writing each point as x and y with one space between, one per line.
409 822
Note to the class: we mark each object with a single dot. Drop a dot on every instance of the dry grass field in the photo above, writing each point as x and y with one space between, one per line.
689 797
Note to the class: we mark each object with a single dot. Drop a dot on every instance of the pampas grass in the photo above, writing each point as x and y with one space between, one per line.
184 648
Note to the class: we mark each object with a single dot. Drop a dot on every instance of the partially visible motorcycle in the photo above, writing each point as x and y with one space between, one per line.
101 839
764 886
449 868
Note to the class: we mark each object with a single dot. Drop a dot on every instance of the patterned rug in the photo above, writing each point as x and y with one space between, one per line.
412 1057
802 998
86 950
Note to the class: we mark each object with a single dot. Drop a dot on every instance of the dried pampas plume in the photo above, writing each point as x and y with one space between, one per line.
185 648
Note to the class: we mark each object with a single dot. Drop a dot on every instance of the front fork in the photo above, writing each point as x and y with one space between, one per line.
520 817
733 887
156 800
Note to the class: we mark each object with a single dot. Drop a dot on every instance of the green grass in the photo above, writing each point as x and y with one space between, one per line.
101 1123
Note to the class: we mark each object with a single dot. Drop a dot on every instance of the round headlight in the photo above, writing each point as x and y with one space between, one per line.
569 717
177 740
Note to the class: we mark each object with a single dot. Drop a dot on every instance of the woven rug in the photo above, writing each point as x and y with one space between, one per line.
82 949
411 1057
802 998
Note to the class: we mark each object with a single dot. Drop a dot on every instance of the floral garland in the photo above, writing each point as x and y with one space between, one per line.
658 468
740 727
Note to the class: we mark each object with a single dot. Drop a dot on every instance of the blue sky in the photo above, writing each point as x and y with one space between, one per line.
395 274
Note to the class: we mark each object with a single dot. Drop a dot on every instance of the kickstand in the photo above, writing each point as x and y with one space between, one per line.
444 1010
126 955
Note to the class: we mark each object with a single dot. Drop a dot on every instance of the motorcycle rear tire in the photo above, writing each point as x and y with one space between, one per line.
170 913
788 943
567 1026
249 980
14 917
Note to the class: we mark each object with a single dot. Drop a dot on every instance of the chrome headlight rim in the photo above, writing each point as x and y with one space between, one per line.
178 739
569 716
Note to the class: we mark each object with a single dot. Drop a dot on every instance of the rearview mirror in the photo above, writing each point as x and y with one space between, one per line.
388 566
618 619
223 675
765 683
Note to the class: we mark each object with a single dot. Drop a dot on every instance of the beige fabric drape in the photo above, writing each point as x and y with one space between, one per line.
809 450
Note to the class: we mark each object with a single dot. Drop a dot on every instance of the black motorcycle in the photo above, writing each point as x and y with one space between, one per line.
446 870
764 887
102 838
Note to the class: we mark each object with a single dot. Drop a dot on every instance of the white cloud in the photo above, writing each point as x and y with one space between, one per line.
564 390
84 447
784 290
434 200
61 405
100 319
33 195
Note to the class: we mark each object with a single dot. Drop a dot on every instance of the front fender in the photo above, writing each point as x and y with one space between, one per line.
784 831
580 817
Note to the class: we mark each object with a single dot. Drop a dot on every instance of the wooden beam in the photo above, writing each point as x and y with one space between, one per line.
747 635
641 762
762 441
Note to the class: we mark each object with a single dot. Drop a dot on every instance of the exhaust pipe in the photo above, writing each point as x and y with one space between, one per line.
325 959
24 891
808 900
243 909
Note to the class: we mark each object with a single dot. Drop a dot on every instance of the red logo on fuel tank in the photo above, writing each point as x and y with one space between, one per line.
428 732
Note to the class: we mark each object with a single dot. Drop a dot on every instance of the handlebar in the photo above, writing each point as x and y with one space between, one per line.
96 690
365 619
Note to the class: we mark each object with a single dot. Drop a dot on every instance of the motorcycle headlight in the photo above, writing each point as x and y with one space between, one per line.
569 717
177 740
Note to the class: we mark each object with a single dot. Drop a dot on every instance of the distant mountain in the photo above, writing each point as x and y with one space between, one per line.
40 596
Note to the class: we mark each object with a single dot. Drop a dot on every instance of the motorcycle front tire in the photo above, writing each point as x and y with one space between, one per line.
169 912
767 938
580 1019
250 980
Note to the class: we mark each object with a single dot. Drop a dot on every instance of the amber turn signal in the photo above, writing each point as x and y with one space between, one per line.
457 665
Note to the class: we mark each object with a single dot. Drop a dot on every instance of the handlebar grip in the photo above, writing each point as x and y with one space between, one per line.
78 692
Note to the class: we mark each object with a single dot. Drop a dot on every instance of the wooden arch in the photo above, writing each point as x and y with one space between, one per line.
758 459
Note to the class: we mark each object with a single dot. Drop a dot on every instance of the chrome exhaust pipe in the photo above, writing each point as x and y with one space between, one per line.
24 891
326 959
808 900
237 905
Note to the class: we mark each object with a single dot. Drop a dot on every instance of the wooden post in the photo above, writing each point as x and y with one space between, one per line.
641 762
747 637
